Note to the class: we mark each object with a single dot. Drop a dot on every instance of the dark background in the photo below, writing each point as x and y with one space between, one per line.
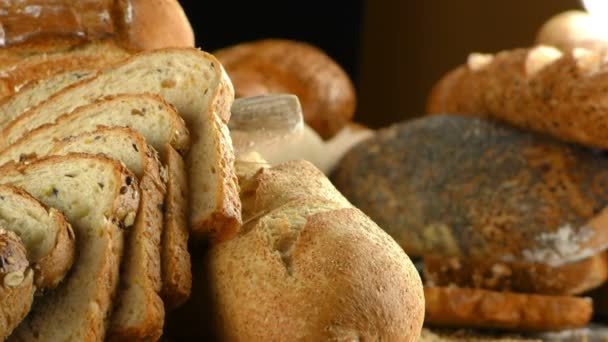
393 50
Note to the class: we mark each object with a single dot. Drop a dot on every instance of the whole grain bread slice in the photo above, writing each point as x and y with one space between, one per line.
98 196
196 84
36 68
46 234
35 92
568 279
478 308
162 128
138 312
17 288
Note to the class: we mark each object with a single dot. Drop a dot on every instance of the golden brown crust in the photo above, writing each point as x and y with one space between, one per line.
569 279
176 264
282 66
137 24
158 24
51 269
477 308
225 219
17 283
536 89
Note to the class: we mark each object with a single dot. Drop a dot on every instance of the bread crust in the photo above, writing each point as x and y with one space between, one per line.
569 279
478 308
305 266
175 257
17 287
284 66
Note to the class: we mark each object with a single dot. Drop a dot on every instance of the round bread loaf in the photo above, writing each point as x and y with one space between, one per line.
471 187
306 266
17 282
283 66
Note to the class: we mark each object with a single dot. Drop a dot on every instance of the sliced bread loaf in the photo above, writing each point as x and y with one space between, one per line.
98 196
17 286
47 236
162 128
196 84
138 310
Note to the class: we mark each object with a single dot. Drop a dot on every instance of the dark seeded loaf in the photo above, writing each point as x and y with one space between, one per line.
470 187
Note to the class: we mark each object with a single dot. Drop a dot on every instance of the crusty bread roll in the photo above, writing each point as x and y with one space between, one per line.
307 266
573 29
31 27
284 66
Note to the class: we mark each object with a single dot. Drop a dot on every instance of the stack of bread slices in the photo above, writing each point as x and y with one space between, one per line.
114 151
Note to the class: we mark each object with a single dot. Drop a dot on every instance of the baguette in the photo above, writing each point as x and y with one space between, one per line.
17 287
96 196
477 308
540 89
196 84
283 66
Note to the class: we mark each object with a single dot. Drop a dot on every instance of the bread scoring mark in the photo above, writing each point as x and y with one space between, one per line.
563 244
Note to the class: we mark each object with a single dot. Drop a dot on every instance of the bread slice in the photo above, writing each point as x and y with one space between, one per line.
46 234
36 92
477 308
569 279
147 114
196 84
162 128
138 311
100 198
17 287
36 68
175 257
